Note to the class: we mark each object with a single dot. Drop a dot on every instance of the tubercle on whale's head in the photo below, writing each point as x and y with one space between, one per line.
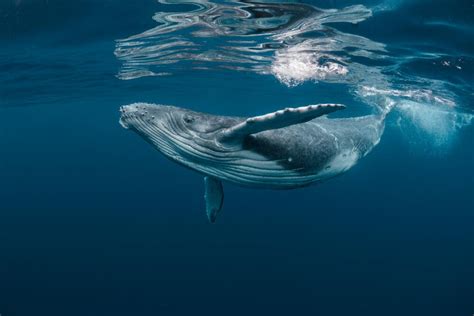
137 114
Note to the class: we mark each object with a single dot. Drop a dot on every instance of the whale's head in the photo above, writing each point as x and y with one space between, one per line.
183 135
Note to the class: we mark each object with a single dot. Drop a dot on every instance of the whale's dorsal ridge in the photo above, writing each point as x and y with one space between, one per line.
278 119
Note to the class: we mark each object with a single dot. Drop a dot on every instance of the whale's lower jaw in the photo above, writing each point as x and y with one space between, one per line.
267 174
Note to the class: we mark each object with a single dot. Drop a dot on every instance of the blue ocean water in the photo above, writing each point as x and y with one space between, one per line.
93 221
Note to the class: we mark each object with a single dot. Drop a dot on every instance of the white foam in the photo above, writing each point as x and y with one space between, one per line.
420 95
388 5
441 124
425 117
295 65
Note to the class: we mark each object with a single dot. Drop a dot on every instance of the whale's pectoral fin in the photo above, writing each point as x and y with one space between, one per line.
214 196
278 119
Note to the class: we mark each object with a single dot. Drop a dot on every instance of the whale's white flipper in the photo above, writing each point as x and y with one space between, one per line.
214 196
278 119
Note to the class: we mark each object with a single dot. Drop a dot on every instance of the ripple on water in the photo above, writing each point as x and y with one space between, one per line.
295 43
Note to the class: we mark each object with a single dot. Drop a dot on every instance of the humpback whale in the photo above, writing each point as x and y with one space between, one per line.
286 149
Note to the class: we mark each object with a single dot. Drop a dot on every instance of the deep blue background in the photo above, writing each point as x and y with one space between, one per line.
93 221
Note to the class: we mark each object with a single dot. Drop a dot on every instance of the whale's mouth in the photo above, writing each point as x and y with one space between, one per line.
123 123
123 119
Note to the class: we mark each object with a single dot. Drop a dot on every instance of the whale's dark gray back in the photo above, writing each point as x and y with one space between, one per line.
311 146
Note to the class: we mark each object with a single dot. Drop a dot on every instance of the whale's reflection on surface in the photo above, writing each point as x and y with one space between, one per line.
295 43
292 41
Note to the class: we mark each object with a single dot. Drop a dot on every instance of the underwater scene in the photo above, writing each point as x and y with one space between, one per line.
237 157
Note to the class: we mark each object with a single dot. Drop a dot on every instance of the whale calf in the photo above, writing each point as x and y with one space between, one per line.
286 149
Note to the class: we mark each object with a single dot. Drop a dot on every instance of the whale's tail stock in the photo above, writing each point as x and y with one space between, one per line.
381 103
386 106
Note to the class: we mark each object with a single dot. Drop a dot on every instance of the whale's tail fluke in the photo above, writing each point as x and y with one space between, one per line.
386 107
382 105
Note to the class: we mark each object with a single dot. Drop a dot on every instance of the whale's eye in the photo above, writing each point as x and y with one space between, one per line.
188 119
